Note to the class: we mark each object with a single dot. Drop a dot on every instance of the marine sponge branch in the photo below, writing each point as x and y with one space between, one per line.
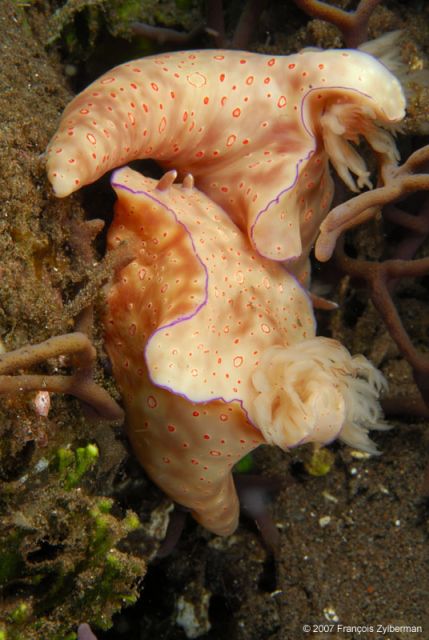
399 182
80 384
378 277
353 25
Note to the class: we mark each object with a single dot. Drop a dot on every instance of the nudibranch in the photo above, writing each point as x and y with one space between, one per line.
256 131
214 349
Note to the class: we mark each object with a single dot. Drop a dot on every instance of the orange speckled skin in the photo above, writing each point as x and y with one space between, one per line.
246 125
186 324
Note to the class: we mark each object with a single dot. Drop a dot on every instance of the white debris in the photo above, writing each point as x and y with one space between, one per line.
324 521
193 611
330 614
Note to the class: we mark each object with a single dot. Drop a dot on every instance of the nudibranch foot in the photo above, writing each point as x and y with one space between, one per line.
214 350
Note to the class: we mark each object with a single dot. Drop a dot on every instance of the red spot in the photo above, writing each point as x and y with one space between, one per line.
321 66
245 141
162 124
145 108
236 113
271 62
185 116
206 100
249 79
113 94
199 154
222 77
133 85
154 86
291 66
206 436
194 461
172 94
224 189
243 61
195 414
267 80
171 428
223 100
151 402
72 161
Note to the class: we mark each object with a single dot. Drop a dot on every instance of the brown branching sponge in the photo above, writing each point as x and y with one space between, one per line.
214 27
353 25
398 183
381 277
378 276
80 384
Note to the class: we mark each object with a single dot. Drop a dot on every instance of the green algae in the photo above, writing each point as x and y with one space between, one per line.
245 465
320 462
72 465
71 566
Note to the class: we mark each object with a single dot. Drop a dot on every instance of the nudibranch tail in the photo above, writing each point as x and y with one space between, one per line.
316 391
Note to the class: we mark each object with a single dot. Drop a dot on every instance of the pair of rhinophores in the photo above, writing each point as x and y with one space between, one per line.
209 329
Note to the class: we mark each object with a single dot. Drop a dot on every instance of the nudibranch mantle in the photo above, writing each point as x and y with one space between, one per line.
256 131
214 349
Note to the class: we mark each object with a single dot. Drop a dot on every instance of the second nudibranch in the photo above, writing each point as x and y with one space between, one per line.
214 349
256 131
